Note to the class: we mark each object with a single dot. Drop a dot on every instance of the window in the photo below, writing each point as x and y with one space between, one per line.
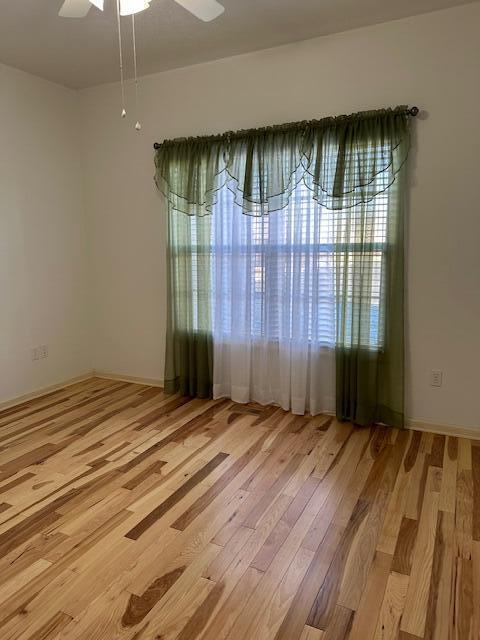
270 269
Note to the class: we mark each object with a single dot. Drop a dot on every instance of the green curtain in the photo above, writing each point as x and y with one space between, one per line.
369 270
189 170
189 350
263 166
369 291
351 164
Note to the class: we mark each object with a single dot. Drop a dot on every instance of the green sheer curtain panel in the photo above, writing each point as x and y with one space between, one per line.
369 292
189 348
352 165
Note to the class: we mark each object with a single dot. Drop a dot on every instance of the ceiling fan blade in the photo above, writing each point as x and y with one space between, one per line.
75 8
206 10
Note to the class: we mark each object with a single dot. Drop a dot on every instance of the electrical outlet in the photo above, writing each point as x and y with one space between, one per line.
38 353
436 378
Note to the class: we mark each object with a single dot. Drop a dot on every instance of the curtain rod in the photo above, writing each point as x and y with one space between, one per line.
410 111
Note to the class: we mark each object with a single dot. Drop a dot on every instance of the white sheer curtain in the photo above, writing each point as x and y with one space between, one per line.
273 304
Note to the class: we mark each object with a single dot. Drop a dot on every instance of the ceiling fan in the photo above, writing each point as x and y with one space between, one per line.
205 10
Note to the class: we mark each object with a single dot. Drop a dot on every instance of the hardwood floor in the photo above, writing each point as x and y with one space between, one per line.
126 514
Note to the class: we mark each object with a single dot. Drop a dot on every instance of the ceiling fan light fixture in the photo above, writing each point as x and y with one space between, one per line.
130 7
98 4
206 10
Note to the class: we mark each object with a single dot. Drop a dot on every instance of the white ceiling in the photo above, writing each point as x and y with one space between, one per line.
83 52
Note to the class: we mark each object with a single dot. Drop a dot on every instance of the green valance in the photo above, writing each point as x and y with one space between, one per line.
344 161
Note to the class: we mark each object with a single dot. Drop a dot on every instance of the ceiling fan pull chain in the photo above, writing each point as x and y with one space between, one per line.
120 50
138 126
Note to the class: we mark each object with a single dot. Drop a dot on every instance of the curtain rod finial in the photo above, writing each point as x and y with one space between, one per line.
413 111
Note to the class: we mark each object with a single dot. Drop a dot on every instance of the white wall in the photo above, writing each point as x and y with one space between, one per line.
430 60
43 285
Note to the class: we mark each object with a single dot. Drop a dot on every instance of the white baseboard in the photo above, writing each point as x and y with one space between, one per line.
445 429
150 382
38 393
